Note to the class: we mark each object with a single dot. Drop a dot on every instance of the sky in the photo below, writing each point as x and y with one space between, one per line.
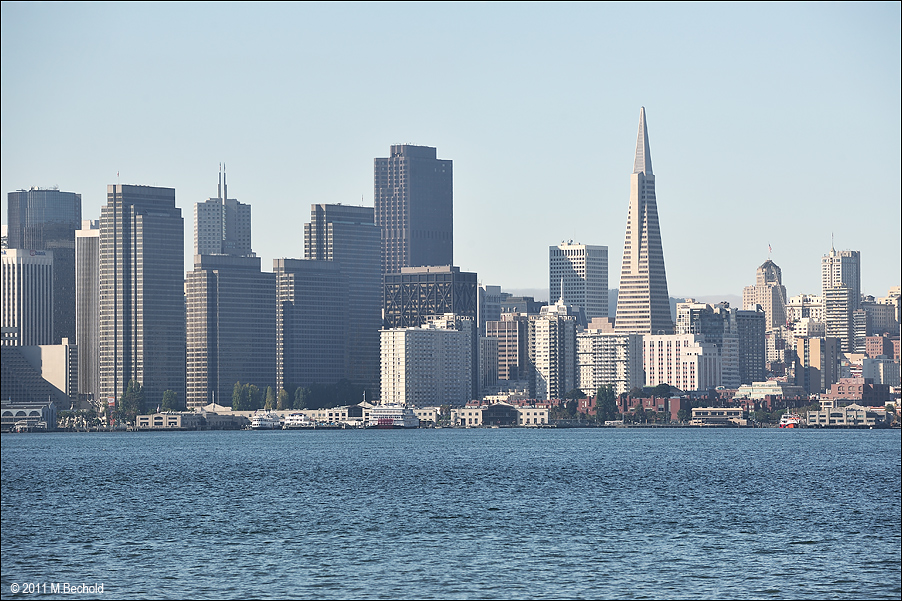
771 125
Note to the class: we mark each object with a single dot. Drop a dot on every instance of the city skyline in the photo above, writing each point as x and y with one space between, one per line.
754 152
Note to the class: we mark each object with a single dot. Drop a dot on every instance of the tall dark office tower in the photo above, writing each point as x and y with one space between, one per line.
222 225
413 198
46 220
231 328
643 304
348 236
142 293
311 305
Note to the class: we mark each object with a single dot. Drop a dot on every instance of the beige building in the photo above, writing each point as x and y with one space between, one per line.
684 361
769 293
609 359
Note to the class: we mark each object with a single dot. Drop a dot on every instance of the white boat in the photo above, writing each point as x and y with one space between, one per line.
265 420
393 416
298 421
792 420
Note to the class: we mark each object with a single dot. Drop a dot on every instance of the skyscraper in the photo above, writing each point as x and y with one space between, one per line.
231 328
46 220
142 292
842 269
768 292
222 225
87 307
643 304
583 271
348 236
27 297
413 200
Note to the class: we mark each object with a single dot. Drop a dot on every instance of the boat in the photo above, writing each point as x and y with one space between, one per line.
792 420
393 417
298 421
265 420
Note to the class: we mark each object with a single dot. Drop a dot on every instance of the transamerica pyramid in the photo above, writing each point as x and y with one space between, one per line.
643 305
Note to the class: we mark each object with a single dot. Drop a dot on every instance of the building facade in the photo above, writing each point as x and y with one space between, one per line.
582 270
842 269
231 328
311 329
609 359
28 293
46 220
768 293
643 303
818 360
552 352
413 199
427 365
348 236
222 225
87 308
685 361
142 292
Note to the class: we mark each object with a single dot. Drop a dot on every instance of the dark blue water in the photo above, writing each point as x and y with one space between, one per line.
445 514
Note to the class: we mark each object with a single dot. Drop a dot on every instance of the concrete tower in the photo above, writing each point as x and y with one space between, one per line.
643 304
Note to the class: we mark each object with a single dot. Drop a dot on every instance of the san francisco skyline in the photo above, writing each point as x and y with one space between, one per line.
774 125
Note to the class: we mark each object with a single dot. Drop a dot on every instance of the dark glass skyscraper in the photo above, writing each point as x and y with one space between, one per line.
413 199
348 236
142 293
46 220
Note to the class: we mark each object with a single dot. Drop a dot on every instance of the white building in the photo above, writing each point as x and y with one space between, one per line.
427 365
583 271
685 361
842 269
805 305
607 358
552 351
27 297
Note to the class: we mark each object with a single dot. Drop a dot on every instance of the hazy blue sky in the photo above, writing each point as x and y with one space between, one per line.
769 123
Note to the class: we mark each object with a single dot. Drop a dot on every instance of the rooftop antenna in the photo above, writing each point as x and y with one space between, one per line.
225 186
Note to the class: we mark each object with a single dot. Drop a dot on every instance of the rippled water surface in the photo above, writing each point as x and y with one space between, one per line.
446 514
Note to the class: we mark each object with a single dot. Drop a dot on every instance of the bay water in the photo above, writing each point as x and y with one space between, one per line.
454 514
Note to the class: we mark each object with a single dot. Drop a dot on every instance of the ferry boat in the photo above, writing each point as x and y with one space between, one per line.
792 420
298 421
393 417
265 420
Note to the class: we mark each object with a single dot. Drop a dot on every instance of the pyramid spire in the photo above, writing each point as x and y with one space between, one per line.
642 163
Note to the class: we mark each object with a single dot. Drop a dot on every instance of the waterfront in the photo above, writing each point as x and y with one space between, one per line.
480 513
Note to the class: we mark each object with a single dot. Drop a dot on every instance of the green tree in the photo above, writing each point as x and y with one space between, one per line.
684 414
131 403
282 402
270 402
575 394
170 401
661 391
301 397
239 397
605 404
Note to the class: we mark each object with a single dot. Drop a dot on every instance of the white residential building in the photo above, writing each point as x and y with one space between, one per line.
583 271
685 361
607 358
427 365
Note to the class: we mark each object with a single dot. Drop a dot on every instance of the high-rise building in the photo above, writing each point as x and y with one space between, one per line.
231 328
643 304
430 364
552 352
27 297
685 361
512 332
416 293
583 271
46 220
222 225
87 307
609 359
413 200
311 324
348 236
842 269
818 363
769 293
838 303
142 293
